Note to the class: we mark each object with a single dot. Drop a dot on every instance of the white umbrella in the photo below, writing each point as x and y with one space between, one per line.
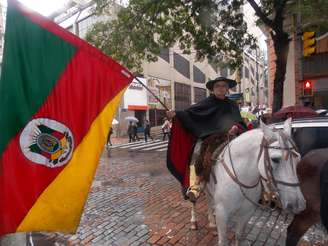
114 121
131 118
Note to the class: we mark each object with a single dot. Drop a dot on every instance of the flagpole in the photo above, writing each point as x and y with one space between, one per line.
156 97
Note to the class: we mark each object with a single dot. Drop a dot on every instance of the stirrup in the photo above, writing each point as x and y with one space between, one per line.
192 194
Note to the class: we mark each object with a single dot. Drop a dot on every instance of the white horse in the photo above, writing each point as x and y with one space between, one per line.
260 156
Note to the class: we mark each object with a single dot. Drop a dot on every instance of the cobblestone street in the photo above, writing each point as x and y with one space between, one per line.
134 200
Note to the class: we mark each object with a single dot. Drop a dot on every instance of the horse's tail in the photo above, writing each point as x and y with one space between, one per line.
324 195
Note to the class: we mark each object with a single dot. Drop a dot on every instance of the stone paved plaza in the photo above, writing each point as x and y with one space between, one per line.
134 200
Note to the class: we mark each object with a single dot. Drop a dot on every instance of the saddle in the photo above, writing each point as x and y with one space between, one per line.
209 151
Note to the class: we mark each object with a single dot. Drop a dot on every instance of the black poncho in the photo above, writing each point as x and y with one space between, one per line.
210 116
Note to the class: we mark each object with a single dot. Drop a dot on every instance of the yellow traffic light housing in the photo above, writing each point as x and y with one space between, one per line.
309 43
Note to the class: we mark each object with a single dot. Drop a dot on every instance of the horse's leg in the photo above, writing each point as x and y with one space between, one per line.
245 213
193 220
210 211
300 224
221 216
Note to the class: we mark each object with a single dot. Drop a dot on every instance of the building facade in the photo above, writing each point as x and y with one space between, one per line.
254 80
177 79
254 83
301 69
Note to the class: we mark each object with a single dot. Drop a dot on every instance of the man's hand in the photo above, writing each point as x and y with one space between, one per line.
170 114
233 130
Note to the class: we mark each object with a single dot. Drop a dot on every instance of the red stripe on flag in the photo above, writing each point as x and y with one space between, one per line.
82 92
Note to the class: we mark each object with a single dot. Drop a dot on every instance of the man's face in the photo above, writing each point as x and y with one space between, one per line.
220 89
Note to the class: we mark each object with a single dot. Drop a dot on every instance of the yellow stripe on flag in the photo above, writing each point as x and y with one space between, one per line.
60 206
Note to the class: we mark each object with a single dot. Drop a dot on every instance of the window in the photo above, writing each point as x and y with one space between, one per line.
182 96
181 64
86 23
246 71
165 55
200 94
199 76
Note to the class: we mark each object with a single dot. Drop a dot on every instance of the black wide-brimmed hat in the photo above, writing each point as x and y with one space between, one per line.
209 85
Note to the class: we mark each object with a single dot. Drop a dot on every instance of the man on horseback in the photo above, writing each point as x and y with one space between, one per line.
193 130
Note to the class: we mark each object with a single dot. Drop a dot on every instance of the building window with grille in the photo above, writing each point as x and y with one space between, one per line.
200 94
199 76
181 64
182 96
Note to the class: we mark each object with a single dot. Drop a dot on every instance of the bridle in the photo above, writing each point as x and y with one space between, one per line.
272 194
271 183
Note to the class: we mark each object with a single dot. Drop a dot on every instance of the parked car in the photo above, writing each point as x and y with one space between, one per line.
308 133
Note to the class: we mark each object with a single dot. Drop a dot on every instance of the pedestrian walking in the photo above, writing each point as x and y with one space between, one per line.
109 142
147 131
135 132
213 118
130 132
166 128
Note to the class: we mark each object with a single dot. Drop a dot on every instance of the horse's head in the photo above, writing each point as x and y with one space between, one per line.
279 167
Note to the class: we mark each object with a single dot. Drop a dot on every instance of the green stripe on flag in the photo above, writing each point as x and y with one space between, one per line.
33 61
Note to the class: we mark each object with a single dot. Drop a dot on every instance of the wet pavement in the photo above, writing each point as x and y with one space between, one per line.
134 200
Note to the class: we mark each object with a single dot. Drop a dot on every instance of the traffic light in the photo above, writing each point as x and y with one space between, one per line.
308 43
307 88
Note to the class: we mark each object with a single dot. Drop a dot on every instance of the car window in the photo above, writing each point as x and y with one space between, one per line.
310 138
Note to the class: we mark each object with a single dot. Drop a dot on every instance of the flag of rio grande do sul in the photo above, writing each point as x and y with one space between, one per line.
58 96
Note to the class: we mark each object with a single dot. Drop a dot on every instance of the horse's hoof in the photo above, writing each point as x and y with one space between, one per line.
194 226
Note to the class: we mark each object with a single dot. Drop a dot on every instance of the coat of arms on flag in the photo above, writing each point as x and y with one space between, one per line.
57 96
47 142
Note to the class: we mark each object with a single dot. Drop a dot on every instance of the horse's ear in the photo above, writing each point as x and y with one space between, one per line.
267 131
288 126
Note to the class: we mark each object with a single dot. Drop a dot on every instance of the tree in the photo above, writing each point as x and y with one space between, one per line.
214 28
272 14
314 15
